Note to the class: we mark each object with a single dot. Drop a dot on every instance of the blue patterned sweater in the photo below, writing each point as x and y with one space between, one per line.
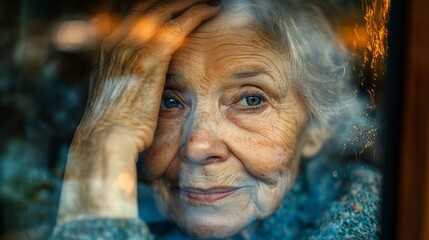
328 201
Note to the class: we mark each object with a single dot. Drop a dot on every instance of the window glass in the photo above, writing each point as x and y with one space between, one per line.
271 109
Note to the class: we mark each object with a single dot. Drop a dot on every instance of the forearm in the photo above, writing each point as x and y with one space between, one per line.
122 112
100 180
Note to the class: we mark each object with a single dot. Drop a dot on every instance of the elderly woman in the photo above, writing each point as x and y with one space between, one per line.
223 100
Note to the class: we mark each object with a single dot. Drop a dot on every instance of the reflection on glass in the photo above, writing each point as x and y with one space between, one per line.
242 119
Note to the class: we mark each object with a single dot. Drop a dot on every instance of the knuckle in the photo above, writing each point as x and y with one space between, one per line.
174 27
197 11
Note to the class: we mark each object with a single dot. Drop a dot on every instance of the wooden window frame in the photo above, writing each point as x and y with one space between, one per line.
406 134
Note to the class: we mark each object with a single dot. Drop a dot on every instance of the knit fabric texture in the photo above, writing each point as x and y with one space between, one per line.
328 201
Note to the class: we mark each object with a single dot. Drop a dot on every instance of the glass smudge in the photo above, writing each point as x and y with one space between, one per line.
335 174
369 53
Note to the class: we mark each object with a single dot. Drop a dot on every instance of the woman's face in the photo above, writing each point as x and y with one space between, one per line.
230 130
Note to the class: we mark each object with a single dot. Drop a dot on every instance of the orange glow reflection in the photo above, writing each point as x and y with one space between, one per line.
102 24
72 34
144 29
75 35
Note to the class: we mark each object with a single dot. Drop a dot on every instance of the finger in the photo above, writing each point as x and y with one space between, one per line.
165 10
121 33
174 32
128 22
139 9
157 15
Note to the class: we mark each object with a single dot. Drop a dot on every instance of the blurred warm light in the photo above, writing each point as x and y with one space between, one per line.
72 35
355 37
102 24
376 18
76 35
367 41
144 29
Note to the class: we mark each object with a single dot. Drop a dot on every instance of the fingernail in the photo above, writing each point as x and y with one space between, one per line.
214 3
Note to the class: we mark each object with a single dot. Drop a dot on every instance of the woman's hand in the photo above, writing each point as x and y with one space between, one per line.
121 115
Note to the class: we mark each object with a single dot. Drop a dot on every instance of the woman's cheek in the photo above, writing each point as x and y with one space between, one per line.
265 163
164 149
266 142
263 154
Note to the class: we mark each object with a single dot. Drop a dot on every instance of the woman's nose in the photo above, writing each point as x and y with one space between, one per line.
203 145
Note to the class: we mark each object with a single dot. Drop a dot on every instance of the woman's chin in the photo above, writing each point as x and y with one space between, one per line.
211 227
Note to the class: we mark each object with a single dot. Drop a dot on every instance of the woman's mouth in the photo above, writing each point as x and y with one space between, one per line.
207 196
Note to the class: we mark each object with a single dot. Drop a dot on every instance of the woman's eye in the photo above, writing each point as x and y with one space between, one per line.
251 101
169 102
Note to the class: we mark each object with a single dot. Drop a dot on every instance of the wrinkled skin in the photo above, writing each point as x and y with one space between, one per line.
120 119
230 128
209 137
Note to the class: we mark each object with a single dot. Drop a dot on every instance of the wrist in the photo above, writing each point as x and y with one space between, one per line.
100 179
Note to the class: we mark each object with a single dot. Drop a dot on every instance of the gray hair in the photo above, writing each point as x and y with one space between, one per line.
316 59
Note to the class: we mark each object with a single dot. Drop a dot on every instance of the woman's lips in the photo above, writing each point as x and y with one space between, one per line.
210 195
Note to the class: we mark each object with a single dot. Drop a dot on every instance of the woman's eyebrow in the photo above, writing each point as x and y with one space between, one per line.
172 76
249 74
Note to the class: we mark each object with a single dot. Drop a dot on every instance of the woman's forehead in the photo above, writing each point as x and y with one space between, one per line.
226 20
230 53
226 46
227 37
228 25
